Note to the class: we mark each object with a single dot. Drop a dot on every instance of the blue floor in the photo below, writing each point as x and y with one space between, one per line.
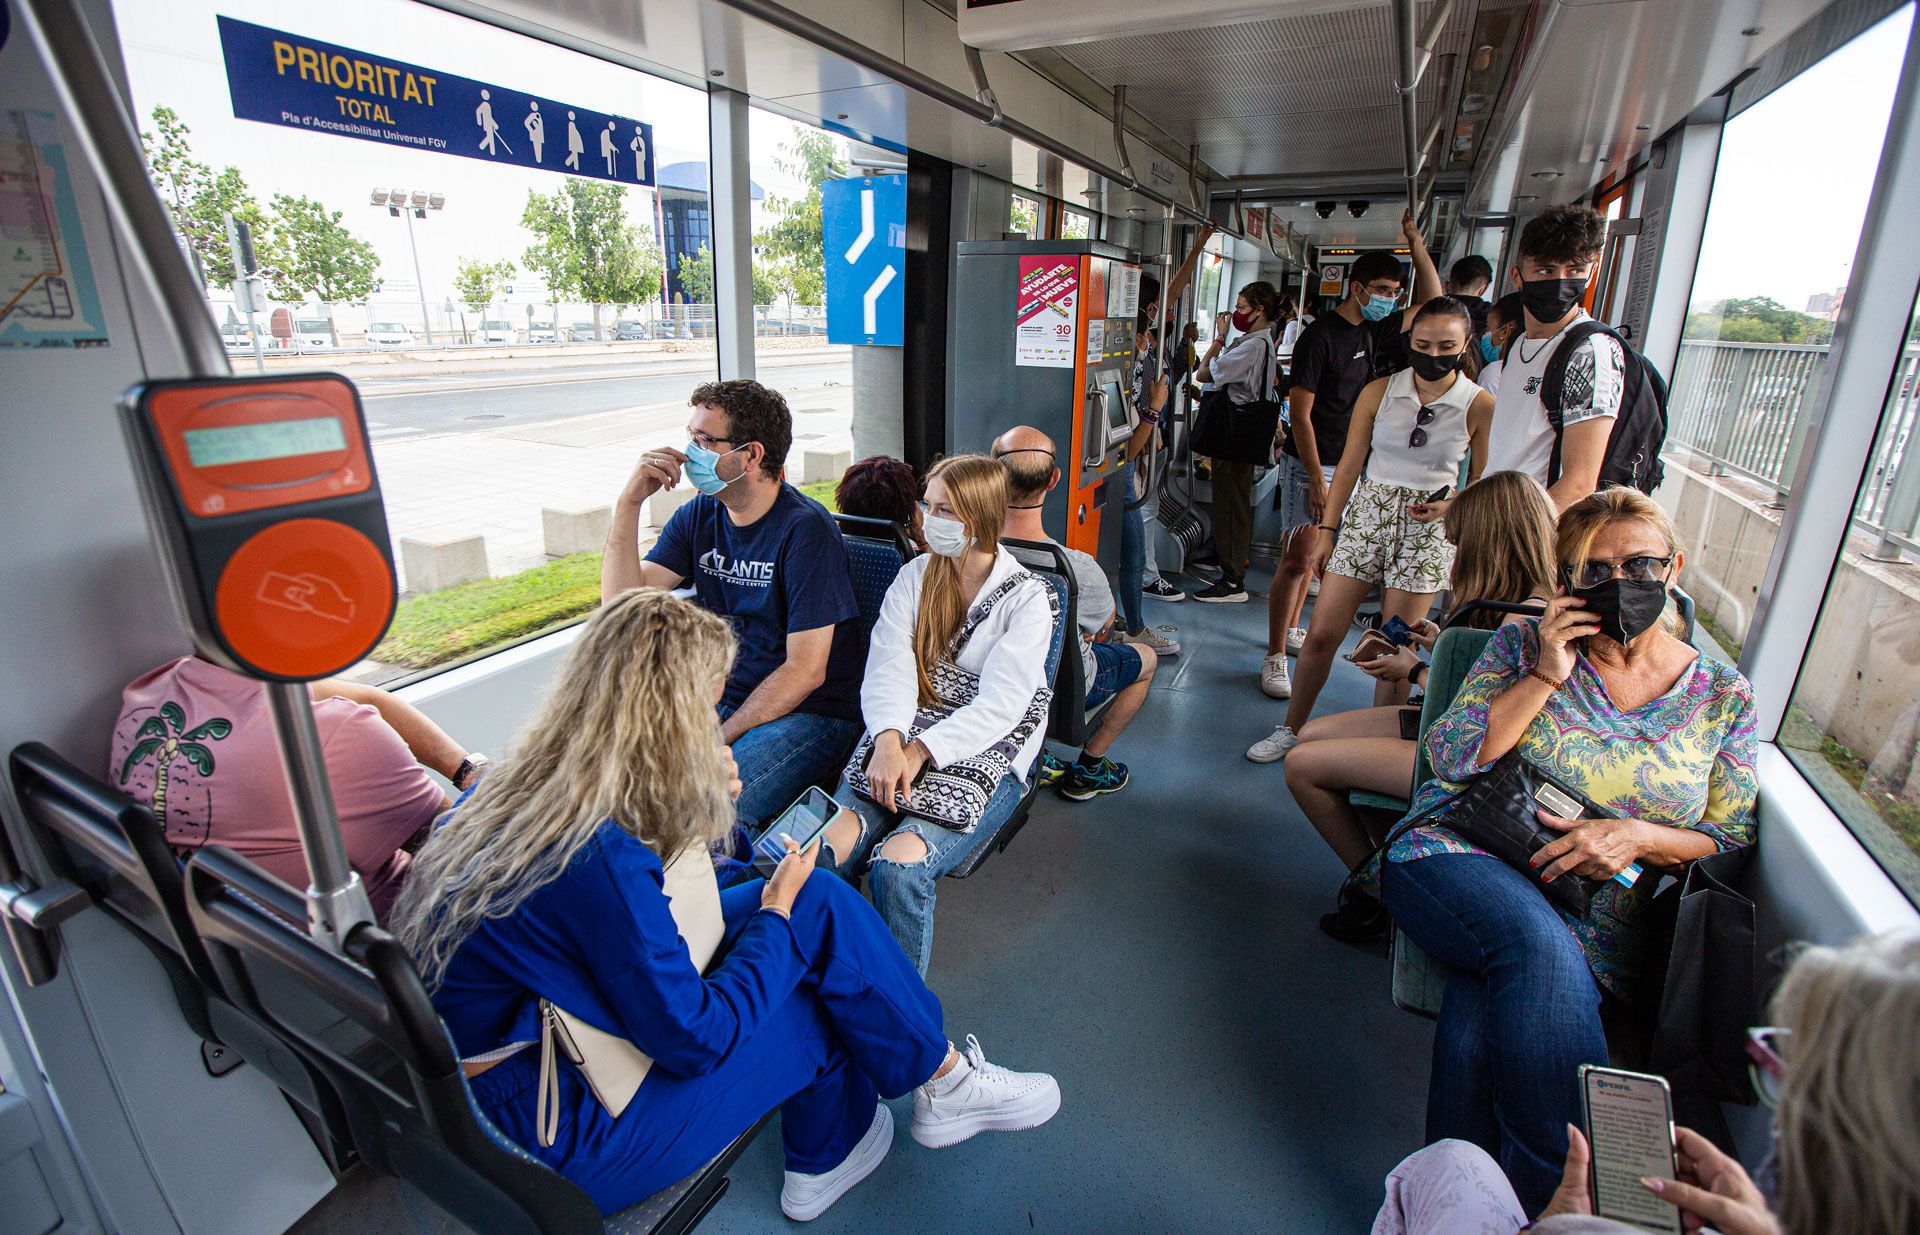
1224 1066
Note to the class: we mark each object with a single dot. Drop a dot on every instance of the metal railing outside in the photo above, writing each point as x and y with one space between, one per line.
1741 408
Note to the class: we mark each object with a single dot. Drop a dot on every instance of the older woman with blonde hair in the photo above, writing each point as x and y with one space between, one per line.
1602 695
1842 1068
575 887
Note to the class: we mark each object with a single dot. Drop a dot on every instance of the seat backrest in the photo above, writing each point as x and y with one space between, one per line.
876 563
1683 604
1068 721
364 1020
1454 654
876 529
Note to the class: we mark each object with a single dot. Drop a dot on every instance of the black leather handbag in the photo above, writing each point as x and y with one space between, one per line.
1239 432
1497 813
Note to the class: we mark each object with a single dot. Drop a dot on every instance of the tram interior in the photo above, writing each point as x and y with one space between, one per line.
1223 1064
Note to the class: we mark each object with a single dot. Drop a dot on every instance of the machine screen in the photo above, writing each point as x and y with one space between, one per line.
1119 410
275 439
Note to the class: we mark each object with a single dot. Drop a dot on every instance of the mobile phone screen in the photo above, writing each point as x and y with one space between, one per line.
1630 1126
1396 630
804 821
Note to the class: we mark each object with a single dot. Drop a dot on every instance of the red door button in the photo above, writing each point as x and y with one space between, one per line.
305 598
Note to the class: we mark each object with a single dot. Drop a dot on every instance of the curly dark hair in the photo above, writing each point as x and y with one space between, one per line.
1376 264
754 414
879 487
1569 233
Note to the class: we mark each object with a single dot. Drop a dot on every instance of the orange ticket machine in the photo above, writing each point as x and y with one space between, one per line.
1043 335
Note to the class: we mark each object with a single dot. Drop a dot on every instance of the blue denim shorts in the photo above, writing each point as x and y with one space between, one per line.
1290 494
1118 667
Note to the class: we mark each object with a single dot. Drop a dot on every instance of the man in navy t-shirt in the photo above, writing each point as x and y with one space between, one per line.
770 559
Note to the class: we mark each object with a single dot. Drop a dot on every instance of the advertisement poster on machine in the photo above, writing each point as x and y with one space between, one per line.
1046 312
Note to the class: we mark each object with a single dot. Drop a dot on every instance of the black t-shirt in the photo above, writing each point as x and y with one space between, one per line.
1335 359
1477 307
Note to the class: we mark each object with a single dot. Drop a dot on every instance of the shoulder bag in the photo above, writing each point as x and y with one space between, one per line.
956 795
1239 432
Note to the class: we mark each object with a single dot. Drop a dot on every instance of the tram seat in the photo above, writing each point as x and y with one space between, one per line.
364 1020
1071 723
110 845
997 840
877 549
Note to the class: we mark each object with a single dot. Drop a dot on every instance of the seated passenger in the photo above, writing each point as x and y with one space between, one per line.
882 487
1601 694
956 684
1502 528
1841 1067
769 559
1115 670
196 744
547 883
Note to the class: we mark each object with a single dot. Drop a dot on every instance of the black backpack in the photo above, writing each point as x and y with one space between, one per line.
1639 431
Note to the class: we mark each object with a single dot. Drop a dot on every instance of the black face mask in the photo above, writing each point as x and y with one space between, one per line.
1627 608
1429 367
1549 300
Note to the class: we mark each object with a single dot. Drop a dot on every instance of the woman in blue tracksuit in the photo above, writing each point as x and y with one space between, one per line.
547 883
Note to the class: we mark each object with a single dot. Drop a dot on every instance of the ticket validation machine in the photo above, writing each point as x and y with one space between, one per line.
1043 335
263 501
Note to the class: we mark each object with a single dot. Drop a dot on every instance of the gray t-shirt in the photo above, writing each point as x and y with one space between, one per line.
1095 604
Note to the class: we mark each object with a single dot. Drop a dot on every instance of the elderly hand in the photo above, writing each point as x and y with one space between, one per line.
1565 621
1596 848
1396 666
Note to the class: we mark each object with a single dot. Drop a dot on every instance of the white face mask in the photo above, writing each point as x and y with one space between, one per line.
947 537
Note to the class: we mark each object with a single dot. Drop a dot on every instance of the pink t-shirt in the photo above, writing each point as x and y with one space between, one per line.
195 742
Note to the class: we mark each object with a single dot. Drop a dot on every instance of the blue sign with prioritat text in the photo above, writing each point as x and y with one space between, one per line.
865 236
301 83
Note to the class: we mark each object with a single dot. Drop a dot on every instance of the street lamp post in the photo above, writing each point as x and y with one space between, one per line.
410 207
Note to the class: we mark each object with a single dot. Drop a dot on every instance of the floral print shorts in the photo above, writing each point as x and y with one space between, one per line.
1380 542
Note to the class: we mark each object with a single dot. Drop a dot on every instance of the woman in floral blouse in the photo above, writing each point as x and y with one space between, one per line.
1601 693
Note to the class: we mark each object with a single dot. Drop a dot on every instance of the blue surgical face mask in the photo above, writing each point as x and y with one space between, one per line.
699 468
1377 307
1488 352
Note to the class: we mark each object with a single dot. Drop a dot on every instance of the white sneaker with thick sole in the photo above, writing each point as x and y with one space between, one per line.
986 1098
1162 645
1296 639
805 1197
1274 746
1273 676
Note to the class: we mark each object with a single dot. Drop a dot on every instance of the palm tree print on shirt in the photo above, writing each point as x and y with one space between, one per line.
161 738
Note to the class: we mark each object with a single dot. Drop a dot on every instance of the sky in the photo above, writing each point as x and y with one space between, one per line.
174 60
1795 172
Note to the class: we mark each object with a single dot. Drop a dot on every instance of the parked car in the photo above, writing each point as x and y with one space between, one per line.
312 334
542 332
628 330
494 332
238 340
582 332
390 334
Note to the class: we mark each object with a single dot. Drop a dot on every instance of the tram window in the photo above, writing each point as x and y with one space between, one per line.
1772 272
1853 727
525 367
1023 216
1075 225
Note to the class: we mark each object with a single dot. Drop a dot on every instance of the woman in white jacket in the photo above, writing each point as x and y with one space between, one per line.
955 700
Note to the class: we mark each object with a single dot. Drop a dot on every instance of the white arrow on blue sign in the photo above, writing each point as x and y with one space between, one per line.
865 238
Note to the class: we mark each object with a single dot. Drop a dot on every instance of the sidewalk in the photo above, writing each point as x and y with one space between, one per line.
523 357
495 482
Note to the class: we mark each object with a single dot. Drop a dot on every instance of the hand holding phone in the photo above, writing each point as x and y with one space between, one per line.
1372 646
804 823
1397 631
1630 1127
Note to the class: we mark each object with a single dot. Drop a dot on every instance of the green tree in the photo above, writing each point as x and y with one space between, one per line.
312 255
766 284
696 277
199 199
480 283
1023 215
586 249
793 242
1756 319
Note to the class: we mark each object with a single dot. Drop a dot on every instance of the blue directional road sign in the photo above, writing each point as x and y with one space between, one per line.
865 224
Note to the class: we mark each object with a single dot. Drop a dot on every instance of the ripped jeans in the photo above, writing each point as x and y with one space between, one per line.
904 892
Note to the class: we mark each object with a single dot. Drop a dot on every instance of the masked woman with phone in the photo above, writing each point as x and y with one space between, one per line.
575 884
1601 695
955 699
1409 434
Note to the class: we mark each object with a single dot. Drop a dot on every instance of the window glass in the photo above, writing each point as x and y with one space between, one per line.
1075 225
1773 269
1023 216
534 329
1853 726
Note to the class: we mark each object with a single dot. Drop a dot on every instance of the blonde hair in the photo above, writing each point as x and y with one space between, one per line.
628 734
1849 1119
1582 522
977 491
1502 526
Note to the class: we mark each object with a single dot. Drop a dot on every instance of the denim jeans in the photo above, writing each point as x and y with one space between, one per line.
779 759
1133 559
1517 1020
904 892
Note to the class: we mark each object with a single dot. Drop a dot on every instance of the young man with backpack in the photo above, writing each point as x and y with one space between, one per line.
1577 408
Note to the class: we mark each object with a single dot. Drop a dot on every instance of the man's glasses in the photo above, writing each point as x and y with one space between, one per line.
1639 569
1767 1061
1421 420
702 439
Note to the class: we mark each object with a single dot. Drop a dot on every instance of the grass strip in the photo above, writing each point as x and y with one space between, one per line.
441 626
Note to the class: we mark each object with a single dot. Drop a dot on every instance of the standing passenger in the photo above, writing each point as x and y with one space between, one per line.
1505 319
1468 282
1247 371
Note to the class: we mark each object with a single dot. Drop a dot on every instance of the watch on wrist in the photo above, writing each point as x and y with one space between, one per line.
468 769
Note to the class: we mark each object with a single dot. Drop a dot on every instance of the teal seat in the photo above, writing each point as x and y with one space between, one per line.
1367 799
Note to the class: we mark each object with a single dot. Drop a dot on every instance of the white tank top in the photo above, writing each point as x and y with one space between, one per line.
1434 464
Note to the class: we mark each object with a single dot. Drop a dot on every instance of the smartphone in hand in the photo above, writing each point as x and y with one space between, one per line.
805 821
1630 1127
1397 631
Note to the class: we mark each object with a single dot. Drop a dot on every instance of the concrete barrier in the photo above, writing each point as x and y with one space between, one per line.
660 506
824 465
439 559
568 530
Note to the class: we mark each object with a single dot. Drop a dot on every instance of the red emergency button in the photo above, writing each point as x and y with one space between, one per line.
305 598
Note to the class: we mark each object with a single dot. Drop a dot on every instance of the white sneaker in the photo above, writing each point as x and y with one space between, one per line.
1274 746
805 1197
1296 639
1313 586
985 1098
1161 644
1273 676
